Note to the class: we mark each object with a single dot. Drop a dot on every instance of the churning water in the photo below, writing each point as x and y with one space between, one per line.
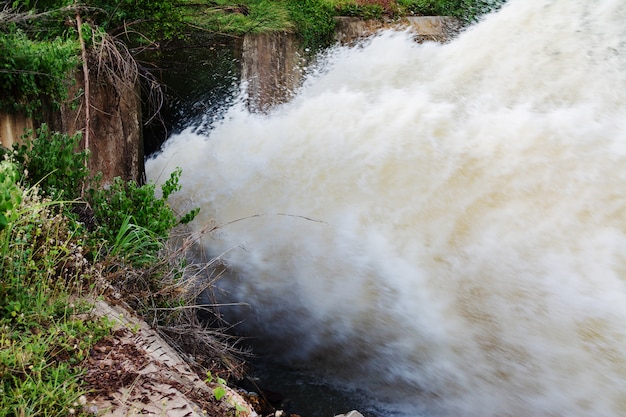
444 225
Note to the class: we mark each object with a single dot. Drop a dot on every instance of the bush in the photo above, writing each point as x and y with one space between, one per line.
30 70
468 10
314 21
10 193
139 19
52 161
126 202
473 9
367 11
370 9
45 267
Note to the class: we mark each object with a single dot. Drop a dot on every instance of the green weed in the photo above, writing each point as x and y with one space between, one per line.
132 216
34 69
10 193
52 161
44 335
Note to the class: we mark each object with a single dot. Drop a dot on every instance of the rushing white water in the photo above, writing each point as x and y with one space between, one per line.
445 224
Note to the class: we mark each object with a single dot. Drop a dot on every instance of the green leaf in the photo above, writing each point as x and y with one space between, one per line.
219 392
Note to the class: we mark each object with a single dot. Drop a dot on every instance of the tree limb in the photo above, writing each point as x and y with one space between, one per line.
83 49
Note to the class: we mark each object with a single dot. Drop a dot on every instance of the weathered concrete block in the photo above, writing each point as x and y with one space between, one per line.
12 127
271 68
426 28
116 142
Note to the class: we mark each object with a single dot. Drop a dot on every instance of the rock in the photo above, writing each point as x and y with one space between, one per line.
352 413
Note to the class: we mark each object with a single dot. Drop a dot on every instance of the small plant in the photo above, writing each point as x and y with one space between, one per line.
10 193
52 161
136 244
219 391
125 203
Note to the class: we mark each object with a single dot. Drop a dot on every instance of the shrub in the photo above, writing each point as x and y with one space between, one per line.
473 9
10 193
369 9
45 267
30 70
314 21
145 18
468 10
53 162
124 202
124 211
432 7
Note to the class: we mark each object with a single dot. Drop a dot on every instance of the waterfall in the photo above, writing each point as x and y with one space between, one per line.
443 225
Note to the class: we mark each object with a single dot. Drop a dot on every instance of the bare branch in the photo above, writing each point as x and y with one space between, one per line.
83 50
10 15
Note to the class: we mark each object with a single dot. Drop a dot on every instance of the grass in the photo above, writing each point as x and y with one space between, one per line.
44 334
238 18
313 20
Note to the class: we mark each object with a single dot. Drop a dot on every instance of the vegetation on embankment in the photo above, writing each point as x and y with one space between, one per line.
65 241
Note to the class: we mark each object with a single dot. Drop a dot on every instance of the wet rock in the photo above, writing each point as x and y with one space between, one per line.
352 413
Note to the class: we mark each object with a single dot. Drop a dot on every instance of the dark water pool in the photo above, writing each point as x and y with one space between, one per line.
306 393
199 77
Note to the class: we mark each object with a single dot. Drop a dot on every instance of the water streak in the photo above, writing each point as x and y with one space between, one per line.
444 224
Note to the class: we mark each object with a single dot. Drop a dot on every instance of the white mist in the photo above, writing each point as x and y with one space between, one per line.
444 224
